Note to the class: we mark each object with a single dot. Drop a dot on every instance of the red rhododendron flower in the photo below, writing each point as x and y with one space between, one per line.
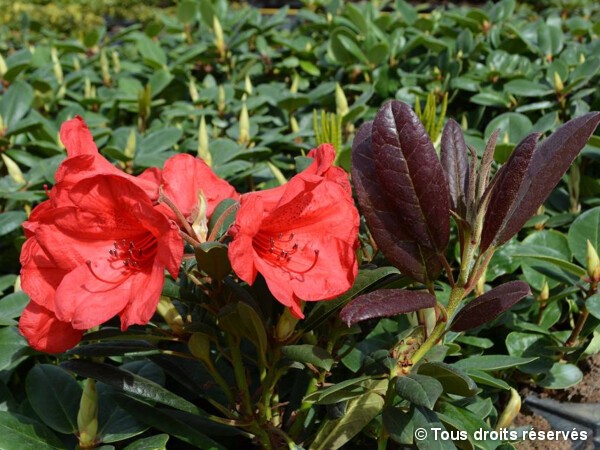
181 179
102 252
300 236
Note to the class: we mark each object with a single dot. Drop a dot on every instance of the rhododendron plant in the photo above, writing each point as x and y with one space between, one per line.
300 236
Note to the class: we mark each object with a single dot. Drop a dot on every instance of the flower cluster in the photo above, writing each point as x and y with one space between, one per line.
100 245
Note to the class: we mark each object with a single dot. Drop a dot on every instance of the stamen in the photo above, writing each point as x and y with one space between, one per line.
117 281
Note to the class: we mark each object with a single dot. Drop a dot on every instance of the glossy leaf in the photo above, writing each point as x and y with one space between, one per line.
549 162
54 395
585 227
411 175
359 412
23 433
310 354
385 303
162 420
453 379
561 376
455 164
131 384
490 305
158 442
492 363
505 188
384 218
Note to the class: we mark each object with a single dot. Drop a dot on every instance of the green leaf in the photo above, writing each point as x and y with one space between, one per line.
151 51
159 81
527 88
399 425
15 103
12 306
486 379
12 347
561 376
592 304
453 379
341 391
427 420
158 442
531 345
22 433
490 363
162 420
131 384
585 227
213 259
308 354
359 412
491 98
54 396
10 221
419 389
513 126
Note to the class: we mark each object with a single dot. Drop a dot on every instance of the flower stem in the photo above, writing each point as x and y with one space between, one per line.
242 383
456 297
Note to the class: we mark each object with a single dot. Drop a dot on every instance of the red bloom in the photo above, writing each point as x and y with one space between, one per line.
300 236
97 248
102 252
183 176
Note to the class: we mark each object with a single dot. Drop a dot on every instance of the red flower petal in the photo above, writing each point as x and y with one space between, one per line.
184 176
45 332
76 138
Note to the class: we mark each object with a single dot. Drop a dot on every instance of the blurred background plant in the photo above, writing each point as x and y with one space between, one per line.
252 93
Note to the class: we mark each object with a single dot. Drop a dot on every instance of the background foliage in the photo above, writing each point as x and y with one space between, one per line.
239 88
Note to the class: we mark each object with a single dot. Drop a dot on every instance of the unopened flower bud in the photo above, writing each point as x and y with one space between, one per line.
13 169
105 68
285 326
544 293
3 67
219 39
167 310
294 127
87 417
510 411
593 263
116 61
203 150
221 100
200 224
129 150
56 66
341 103
244 137
248 85
558 83
193 90
295 84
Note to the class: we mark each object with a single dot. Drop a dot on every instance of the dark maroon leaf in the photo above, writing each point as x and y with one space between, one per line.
505 188
383 217
456 165
411 175
385 303
548 164
490 305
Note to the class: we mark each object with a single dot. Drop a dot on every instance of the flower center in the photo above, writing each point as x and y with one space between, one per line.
129 256
283 251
